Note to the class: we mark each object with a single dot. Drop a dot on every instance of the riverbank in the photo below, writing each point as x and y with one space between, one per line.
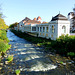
65 64
4 46
64 45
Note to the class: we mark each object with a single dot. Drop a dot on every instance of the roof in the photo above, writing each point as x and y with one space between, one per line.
72 13
39 18
44 22
32 21
35 19
26 19
59 17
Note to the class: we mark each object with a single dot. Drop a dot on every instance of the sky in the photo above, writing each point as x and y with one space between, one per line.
17 10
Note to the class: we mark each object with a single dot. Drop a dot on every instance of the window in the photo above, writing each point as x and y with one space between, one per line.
52 29
46 29
43 29
40 29
64 29
33 28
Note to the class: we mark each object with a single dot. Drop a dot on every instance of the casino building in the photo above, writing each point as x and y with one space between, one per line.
59 25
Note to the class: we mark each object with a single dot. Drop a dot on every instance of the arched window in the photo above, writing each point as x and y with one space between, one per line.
64 29
52 29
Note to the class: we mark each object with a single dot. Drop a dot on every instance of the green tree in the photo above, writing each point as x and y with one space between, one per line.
2 23
13 25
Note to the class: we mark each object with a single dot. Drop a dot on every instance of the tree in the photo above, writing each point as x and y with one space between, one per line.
2 23
13 25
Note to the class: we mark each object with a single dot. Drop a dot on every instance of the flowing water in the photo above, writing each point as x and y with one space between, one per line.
27 57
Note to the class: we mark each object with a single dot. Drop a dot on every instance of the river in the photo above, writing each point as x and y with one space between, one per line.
29 59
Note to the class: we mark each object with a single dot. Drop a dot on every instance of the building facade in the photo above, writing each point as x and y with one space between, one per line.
59 25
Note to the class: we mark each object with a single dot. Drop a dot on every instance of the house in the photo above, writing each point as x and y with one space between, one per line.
70 16
28 25
59 25
20 25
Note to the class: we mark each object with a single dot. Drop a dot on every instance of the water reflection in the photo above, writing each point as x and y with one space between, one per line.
27 56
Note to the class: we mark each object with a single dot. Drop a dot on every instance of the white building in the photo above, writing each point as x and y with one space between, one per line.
59 25
43 30
28 25
70 16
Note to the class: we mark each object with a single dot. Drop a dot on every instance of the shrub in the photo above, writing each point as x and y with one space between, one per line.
71 54
62 45
3 46
17 71
3 36
0 59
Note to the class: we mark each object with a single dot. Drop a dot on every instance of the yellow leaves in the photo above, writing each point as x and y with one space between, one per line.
2 24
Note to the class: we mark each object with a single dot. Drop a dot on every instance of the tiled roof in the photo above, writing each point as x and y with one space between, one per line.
39 18
26 19
59 17
35 19
44 22
32 21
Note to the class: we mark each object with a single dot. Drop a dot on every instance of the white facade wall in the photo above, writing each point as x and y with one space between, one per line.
21 26
60 28
70 16
43 32
53 35
27 28
52 30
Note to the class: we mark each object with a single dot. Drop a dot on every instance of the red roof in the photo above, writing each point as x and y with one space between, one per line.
32 22
35 19
39 18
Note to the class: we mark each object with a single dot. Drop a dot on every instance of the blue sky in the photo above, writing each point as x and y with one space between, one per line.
16 10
